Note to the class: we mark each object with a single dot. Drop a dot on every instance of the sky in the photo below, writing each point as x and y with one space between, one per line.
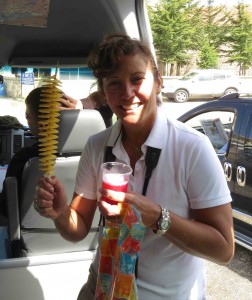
227 2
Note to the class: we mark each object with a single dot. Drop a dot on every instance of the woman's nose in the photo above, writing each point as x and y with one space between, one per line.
128 90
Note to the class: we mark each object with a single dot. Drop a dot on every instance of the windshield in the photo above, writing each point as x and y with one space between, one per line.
17 83
189 76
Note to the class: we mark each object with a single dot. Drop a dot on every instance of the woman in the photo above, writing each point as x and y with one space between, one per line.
187 200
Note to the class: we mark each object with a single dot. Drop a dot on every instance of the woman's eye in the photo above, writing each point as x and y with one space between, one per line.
114 84
137 80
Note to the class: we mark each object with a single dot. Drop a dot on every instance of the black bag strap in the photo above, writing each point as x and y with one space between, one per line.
151 160
109 156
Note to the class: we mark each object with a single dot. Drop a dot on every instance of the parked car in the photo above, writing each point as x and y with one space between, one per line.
207 84
36 38
228 124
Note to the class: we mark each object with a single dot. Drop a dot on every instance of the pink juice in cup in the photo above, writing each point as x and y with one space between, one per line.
115 176
115 183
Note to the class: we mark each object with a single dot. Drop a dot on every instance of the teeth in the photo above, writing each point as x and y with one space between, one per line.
130 107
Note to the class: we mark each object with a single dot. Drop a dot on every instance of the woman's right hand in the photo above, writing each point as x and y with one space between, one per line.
50 199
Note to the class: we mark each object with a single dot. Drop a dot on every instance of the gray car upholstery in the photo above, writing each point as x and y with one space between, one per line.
38 233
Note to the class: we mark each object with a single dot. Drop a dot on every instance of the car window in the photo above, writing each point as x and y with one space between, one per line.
189 76
248 139
205 77
218 76
217 125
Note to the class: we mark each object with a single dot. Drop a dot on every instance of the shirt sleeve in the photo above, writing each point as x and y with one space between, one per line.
86 178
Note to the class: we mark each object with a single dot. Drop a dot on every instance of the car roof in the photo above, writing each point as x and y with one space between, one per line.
44 32
225 102
212 71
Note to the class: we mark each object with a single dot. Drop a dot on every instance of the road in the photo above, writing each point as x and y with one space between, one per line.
174 110
231 282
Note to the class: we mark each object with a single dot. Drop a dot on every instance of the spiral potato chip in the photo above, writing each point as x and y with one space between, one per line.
49 113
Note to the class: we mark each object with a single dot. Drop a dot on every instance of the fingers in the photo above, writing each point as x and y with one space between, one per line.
46 183
35 203
68 98
43 198
67 102
149 210
113 195
109 209
66 105
43 207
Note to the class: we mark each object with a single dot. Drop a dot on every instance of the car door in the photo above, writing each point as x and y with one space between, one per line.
226 117
201 86
236 158
218 85
242 196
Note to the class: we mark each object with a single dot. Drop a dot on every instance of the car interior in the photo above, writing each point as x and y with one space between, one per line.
42 34
45 34
29 233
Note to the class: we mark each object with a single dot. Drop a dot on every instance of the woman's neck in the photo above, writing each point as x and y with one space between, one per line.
132 141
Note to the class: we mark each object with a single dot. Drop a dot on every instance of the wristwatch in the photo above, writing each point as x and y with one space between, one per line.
164 222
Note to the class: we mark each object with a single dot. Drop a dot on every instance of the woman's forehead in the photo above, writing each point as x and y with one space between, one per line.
132 63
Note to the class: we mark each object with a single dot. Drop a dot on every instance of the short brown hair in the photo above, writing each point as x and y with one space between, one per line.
33 100
105 59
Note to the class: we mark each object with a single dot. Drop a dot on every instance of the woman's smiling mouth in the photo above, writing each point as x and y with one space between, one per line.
131 106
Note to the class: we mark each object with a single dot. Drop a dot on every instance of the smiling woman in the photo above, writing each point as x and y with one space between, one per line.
171 233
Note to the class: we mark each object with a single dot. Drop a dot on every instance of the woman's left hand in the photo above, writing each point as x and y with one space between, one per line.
150 211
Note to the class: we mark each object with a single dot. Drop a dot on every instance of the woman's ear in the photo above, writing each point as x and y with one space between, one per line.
159 84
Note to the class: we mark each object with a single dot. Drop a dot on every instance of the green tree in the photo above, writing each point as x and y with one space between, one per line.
215 28
173 31
216 24
240 39
208 57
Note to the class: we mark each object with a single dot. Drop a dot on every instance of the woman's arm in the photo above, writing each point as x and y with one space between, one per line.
209 235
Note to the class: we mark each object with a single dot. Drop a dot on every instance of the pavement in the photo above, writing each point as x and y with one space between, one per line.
233 281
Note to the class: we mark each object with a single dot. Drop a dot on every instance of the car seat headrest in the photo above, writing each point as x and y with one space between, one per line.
75 127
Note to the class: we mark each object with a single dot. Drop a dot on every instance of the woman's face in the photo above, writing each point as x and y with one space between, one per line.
131 91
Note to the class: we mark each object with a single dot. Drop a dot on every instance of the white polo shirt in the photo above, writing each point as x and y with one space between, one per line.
188 175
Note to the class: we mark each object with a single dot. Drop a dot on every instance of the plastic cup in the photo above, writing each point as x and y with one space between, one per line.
115 176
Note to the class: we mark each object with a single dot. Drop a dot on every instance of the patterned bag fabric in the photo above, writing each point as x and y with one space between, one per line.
119 252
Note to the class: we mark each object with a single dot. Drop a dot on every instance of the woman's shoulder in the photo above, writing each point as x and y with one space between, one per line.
100 137
183 128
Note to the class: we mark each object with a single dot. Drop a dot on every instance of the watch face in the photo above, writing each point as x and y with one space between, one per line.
164 224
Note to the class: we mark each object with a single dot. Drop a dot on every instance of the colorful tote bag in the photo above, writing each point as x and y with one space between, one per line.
119 252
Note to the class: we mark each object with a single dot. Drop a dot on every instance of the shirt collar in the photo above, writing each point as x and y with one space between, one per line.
155 139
